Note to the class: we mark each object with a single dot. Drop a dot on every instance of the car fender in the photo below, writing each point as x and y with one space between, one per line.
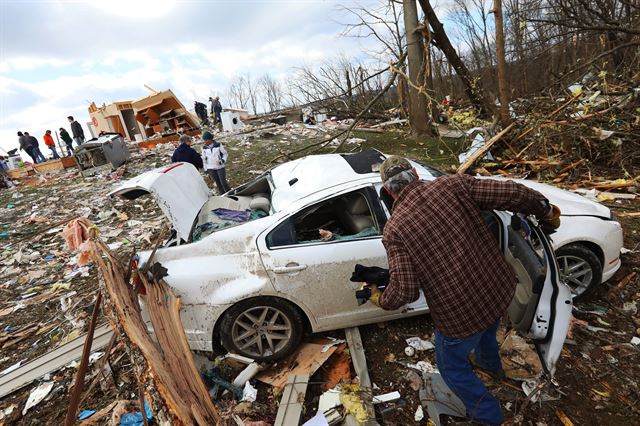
607 235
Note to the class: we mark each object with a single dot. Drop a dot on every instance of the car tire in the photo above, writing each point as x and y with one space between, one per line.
263 328
580 269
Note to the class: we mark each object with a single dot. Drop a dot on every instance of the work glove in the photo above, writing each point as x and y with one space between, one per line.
375 295
551 221
370 274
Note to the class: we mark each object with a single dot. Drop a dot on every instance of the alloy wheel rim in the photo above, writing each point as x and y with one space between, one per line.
575 272
261 331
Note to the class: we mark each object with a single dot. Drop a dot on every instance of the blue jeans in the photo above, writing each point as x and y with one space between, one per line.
38 154
452 357
79 141
54 152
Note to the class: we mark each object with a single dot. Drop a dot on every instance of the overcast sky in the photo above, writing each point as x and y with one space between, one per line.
57 56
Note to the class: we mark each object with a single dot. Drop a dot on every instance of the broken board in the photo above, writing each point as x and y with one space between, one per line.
305 361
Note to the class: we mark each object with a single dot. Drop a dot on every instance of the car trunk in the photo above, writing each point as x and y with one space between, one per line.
178 189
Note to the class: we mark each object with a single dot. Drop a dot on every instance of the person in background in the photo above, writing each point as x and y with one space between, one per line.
48 140
25 145
76 130
186 154
201 112
64 135
215 157
216 109
36 148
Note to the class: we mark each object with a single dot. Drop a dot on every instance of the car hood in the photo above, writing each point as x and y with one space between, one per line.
570 204
178 189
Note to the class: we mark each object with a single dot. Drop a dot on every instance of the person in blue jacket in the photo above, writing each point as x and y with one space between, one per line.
185 153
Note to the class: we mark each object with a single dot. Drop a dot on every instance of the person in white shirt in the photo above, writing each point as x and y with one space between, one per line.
215 157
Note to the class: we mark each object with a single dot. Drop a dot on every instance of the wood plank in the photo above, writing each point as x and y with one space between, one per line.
52 361
292 401
483 150
306 360
356 349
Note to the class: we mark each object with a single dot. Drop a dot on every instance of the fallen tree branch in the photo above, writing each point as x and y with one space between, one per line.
483 150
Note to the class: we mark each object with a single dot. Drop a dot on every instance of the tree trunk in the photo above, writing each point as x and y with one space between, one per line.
472 88
418 112
503 87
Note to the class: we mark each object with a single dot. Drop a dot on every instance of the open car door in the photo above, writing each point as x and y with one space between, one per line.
542 304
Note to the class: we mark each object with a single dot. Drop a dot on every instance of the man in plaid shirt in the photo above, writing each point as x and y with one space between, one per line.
437 241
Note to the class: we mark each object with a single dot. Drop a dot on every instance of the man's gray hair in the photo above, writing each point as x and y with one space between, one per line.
398 182
184 139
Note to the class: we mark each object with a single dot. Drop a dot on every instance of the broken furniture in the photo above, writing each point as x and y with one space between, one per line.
105 153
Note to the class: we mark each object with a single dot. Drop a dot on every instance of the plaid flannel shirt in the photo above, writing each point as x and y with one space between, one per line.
437 241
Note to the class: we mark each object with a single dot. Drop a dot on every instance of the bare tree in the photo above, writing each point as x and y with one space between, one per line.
503 88
243 93
271 91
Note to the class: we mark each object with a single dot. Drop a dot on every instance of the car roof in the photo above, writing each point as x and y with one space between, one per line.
305 176
301 178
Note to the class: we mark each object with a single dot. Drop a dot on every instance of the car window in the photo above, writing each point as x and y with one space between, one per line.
343 218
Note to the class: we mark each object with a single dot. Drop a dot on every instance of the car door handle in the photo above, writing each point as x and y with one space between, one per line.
291 267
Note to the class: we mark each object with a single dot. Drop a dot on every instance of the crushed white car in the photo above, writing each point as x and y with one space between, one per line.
254 273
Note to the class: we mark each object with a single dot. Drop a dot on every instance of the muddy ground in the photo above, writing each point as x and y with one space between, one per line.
597 375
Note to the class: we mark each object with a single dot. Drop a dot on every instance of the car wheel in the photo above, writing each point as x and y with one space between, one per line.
265 329
580 269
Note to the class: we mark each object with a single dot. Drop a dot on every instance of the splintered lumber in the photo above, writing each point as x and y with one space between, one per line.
572 166
563 418
306 360
622 284
356 350
486 147
170 361
292 401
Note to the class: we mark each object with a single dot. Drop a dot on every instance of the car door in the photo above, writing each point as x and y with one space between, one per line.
542 304
315 273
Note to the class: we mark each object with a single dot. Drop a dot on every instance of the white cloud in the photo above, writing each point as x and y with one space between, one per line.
107 51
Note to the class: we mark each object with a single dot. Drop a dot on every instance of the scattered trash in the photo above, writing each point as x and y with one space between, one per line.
423 366
135 419
409 351
419 344
37 395
419 414
249 393
85 414
635 340
352 402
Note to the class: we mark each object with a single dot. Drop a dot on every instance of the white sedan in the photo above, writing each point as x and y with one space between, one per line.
254 273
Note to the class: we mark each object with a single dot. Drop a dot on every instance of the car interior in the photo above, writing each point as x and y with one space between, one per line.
346 217
248 202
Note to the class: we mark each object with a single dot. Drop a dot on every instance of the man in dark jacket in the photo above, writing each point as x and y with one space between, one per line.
201 112
36 148
216 109
64 135
437 242
76 131
25 145
185 153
